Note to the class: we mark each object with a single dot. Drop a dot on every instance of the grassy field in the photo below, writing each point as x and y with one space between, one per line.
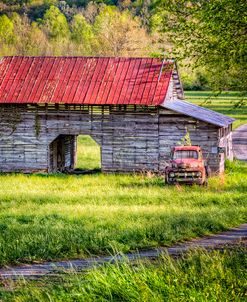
198 277
227 103
60 216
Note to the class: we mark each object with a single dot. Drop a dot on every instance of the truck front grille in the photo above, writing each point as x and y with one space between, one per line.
185 175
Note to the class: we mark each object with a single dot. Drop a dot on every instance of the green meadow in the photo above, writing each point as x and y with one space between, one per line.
231 103
59 216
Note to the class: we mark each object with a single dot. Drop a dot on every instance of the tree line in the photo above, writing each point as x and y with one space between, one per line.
211 35
207 37
97 30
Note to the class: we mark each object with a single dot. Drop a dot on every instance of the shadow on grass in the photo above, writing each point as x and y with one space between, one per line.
84 172
54 175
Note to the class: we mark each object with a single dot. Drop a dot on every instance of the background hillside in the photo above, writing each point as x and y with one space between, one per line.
74 28
208 38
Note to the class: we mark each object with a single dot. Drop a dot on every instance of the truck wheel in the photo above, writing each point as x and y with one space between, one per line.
167 182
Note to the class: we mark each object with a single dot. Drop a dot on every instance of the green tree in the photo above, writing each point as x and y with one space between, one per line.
7 37
28 37
55 24
118 33
82 33
6 30
38 43
21 33
212 33
15 2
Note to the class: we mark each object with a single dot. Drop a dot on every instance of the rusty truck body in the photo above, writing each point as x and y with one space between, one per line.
186 166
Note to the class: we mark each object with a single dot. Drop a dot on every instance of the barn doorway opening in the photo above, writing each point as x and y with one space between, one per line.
88 155
75 154
62 154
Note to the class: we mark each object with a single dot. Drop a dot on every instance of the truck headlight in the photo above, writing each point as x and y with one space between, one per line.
171 174
198 174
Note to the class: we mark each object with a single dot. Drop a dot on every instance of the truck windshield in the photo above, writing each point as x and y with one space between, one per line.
185 154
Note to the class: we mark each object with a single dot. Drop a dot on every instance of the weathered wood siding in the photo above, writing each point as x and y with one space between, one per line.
131 138
225 141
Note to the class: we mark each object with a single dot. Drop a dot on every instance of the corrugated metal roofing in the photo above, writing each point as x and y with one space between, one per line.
199 113
84 80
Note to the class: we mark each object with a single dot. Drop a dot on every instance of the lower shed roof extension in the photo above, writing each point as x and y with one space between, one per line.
200 113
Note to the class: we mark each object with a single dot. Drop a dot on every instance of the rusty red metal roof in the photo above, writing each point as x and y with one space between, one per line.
84 80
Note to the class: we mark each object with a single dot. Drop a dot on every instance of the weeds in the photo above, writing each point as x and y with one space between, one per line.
200 276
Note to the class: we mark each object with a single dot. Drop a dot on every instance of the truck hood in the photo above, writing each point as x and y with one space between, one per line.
187 163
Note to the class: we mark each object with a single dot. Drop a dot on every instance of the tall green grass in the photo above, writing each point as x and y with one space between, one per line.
200 276
88 153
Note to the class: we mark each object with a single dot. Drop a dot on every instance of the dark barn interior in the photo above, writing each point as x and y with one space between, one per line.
63 154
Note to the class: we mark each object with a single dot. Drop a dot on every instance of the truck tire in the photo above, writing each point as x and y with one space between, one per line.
167 182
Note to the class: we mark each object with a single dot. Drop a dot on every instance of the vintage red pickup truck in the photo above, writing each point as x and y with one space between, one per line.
186 166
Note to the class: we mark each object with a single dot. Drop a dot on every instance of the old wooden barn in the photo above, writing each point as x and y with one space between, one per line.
133 108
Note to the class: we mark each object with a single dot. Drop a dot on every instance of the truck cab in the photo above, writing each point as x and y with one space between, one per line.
186 166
